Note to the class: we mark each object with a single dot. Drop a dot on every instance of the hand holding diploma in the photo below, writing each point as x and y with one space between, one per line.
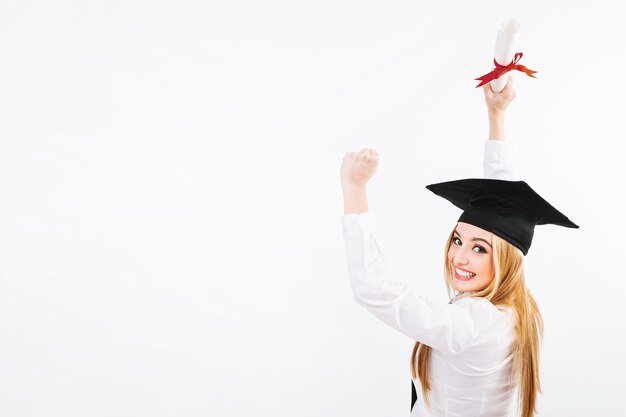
505 59
498 102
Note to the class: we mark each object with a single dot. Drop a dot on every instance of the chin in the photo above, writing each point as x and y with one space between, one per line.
463 286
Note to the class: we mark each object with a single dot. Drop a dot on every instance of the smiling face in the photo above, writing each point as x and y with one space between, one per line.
470 252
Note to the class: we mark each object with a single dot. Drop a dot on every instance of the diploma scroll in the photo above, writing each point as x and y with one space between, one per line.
505 50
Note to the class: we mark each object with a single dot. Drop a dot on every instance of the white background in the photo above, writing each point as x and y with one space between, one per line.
170 242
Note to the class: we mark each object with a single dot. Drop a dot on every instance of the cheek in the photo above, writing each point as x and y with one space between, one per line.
488 268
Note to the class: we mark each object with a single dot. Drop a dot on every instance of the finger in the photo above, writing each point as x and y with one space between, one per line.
487 90
366 153
371 154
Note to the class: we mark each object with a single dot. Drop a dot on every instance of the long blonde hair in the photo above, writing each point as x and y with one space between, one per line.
508 288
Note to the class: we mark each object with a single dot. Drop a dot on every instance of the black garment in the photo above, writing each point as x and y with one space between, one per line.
413 395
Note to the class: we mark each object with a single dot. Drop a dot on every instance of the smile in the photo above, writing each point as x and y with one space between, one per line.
463 275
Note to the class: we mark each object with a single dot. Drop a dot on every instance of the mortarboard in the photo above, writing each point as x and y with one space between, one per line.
508 209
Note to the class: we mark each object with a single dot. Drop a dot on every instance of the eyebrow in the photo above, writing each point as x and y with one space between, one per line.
476 238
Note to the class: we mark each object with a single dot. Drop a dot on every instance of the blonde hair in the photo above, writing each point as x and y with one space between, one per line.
508 288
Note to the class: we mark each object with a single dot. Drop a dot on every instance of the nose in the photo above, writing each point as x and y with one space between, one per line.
460 257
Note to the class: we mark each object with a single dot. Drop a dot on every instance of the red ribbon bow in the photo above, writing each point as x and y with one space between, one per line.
499 70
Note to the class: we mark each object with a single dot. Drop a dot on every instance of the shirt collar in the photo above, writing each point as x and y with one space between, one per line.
461 295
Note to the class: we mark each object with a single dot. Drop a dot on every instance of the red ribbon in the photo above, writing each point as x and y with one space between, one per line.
500 70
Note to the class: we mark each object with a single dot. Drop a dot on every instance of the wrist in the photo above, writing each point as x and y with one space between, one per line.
496 115
355 200
496 131
353 189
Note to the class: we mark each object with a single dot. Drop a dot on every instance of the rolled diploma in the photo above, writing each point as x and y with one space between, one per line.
505 50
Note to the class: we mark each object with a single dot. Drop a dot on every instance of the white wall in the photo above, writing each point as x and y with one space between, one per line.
170 197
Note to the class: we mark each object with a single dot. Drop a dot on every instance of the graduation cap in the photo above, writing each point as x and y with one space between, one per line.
508 209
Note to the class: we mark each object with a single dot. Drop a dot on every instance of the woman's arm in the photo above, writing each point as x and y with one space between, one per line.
496 106
496 163
496 125
450 328
356 170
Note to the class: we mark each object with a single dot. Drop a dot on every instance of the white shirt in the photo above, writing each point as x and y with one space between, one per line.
470 337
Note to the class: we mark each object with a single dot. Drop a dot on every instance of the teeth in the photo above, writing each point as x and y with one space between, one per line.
464 274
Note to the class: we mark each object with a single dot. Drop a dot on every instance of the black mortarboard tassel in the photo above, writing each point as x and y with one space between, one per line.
509 209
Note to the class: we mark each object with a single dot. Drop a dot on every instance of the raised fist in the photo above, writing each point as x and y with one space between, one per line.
357 168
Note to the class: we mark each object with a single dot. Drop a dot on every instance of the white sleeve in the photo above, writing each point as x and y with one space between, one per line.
496 161
450 328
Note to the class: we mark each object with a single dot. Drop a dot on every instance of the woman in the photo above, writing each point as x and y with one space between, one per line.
475 353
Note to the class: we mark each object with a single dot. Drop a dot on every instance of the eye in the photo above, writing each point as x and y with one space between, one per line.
482 250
